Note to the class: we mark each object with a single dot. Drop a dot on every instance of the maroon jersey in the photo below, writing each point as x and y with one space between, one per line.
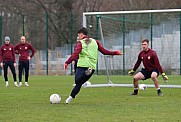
150 61
78 49
75 47
24 51
7 53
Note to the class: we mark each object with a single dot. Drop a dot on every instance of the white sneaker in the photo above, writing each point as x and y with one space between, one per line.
15 84
20 84
26 84
7 84
68 100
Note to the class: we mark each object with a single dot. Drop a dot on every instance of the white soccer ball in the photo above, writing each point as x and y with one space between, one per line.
142 87
87 83
55 99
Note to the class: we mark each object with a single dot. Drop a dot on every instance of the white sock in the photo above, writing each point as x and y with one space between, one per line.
158 88
7 84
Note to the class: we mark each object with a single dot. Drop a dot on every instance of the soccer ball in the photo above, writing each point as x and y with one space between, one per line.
87 83
55 99
142 87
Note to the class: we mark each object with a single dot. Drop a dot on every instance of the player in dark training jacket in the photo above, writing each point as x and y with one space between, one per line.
7 59
151 68
23 49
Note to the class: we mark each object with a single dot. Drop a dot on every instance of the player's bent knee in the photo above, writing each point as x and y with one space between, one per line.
136 79
138 76
154 78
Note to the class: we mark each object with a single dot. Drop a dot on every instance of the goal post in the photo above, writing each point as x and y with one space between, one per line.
105 58
125 29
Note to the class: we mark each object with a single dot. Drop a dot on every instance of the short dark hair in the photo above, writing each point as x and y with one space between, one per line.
83 30
145 40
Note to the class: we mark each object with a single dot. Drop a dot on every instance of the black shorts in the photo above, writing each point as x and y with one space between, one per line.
147 74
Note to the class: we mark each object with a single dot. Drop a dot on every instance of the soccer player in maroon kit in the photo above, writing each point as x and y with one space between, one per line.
23 49
83 73
7 59
151 68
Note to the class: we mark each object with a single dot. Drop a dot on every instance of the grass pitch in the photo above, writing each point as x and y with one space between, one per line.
106 104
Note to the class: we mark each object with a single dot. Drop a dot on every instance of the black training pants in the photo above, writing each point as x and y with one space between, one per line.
23 65
9 64
80 78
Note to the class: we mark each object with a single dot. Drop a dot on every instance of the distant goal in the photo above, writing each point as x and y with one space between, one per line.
124 30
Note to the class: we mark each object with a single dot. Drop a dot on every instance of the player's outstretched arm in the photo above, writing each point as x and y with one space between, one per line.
65 66
74 55
108 52
137 64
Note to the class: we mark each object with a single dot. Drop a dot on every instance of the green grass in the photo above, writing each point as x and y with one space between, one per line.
106 104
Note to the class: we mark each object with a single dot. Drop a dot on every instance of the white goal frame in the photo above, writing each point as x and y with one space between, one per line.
125 12
110 84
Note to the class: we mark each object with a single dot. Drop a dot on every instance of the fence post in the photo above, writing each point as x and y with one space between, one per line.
71 37
23 26
180 43
0 38
46 43
123 29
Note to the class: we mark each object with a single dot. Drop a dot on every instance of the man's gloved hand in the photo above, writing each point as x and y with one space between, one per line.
165 78
65 66
131 72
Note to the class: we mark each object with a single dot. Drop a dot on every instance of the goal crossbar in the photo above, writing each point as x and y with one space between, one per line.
125 12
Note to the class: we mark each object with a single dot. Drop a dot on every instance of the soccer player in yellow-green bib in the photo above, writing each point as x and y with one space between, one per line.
87 51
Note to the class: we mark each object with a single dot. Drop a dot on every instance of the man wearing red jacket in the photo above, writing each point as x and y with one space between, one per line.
87 53
23 49
7 59
151 68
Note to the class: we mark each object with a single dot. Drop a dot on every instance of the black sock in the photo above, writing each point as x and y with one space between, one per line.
136 91
158 90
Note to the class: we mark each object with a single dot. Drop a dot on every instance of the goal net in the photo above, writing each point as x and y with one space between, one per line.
124 30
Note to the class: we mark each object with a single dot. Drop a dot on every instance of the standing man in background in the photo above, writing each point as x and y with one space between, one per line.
7 59
23 50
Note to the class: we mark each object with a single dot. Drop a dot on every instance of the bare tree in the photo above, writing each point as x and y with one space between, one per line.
64 16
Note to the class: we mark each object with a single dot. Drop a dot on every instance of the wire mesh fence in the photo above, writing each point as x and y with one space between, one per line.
54 39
